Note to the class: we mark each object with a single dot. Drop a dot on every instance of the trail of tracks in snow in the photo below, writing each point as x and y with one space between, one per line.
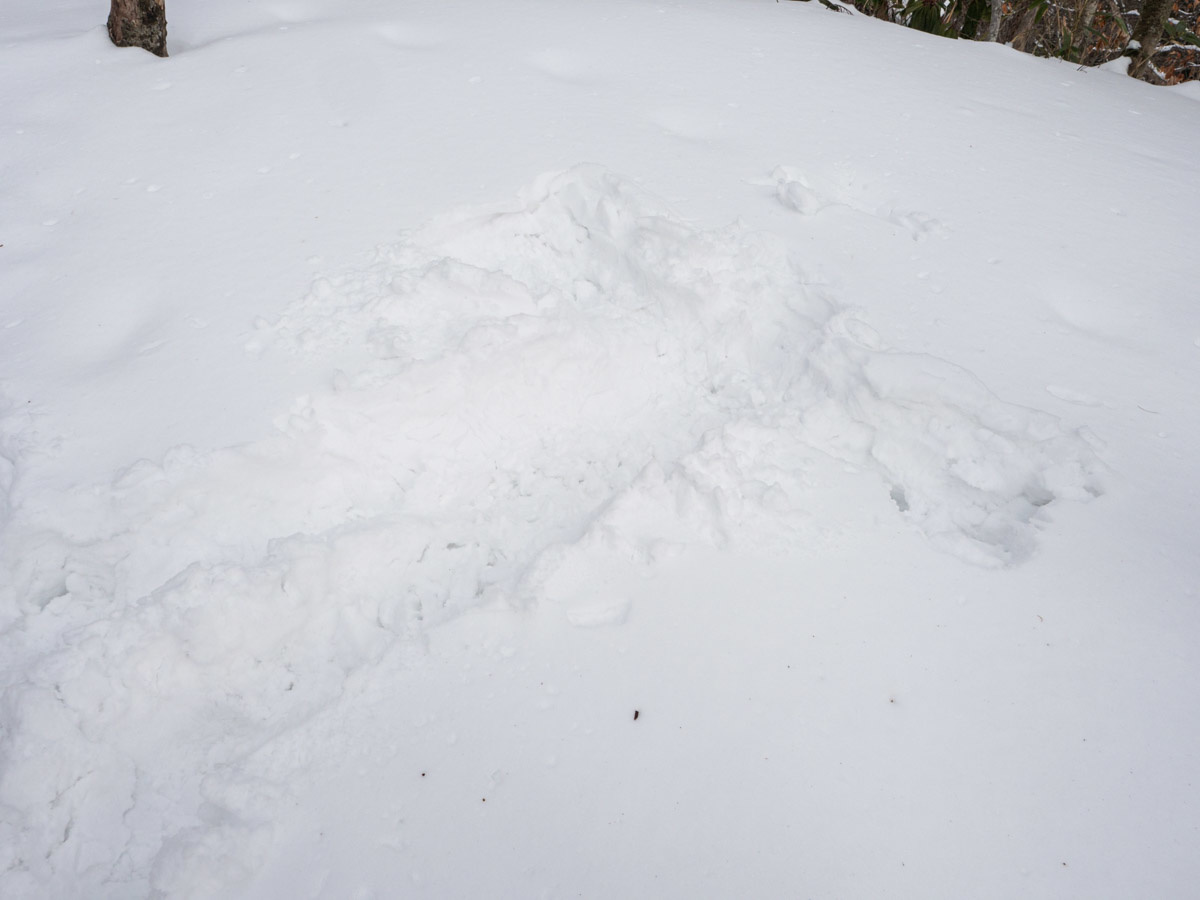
515 385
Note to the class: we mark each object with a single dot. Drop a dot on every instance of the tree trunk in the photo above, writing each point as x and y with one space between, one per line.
1147 34
139 23
993 32
1024 32
1079 36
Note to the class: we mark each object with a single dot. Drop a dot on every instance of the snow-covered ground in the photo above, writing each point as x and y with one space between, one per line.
602 449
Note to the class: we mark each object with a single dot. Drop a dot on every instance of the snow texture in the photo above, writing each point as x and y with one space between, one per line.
516 385
719 519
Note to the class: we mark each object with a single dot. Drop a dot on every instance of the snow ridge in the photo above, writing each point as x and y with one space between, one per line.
515 386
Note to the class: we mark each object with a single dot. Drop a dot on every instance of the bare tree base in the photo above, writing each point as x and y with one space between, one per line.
139 23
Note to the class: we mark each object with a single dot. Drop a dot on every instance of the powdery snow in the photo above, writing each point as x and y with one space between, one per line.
335 573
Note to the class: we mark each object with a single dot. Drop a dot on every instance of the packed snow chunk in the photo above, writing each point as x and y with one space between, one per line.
794 192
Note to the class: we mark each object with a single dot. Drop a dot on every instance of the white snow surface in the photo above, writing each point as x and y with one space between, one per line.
756 458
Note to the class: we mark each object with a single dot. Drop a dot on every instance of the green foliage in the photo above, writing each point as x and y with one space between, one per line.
925 15
1178 33
973 15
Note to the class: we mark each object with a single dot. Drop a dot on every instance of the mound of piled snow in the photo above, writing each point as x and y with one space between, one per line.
510 389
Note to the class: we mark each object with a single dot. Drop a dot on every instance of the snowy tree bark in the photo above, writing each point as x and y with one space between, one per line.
139 23
1146 36
997 12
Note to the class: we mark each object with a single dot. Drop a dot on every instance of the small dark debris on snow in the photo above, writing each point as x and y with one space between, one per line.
635 715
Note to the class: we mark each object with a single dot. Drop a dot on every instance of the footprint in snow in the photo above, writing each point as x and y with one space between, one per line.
409 36
689 124
600 613
806 195
562 64
1069 395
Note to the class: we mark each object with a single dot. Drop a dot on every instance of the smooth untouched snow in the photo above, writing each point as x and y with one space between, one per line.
721 479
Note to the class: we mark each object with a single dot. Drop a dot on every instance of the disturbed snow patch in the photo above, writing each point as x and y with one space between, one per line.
586 322
576 372
809 195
